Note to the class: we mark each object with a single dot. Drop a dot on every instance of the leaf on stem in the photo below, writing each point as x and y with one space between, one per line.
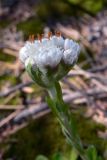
91 153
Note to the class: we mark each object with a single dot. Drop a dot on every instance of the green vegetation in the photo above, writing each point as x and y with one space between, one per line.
47 138
6 57
44 135
31 26
89 5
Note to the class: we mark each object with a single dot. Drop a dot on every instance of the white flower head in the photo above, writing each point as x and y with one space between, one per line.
50 51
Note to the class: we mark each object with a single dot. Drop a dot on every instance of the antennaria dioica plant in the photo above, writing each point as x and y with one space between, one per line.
47 60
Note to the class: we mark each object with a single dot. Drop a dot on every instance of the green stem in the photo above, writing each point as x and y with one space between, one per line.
65 118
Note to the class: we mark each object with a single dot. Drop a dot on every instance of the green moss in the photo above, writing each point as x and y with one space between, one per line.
44 136
41 137
56 9
92 6
88 131
89 5
59 9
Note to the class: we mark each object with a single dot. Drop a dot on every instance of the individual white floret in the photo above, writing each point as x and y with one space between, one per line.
49 57
68 44
71 52
58 41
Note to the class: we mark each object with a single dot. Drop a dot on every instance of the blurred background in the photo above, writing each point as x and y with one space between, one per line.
27 127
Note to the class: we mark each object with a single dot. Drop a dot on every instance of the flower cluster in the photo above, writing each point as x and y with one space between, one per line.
50 58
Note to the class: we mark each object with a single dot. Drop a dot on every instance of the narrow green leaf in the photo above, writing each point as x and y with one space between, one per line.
99 158
73 155
58 156
41 157
92 153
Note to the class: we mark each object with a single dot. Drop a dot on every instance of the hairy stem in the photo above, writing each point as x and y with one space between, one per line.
61 110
